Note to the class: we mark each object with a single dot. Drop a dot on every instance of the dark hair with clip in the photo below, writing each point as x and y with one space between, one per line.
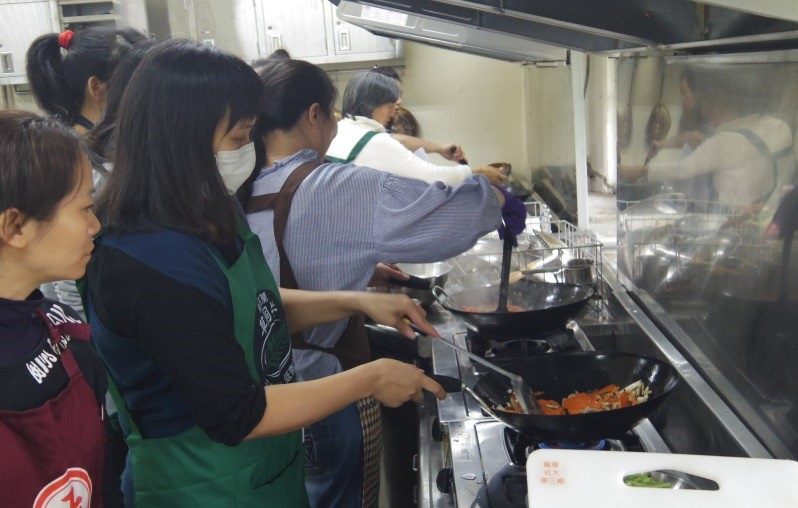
59 81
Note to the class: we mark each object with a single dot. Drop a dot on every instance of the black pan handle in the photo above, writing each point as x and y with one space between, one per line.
439 294
450 384
413 283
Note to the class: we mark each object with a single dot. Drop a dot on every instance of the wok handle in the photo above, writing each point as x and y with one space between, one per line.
482 402
439 294
449 384
412 283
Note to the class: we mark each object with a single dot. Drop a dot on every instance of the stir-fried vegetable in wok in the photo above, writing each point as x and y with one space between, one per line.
604 399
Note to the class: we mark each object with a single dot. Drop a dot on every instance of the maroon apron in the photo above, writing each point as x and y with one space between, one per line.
52 455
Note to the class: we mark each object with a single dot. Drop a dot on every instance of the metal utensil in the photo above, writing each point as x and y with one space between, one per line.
550 263
504 282
521 388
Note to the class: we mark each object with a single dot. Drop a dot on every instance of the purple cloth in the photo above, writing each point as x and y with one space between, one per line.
20 329
513 215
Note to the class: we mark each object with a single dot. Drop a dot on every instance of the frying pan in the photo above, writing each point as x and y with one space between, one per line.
558 375
547 306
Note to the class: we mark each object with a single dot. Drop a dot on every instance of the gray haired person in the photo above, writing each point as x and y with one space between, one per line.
370 102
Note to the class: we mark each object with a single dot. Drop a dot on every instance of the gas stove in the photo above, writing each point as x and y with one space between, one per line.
466 458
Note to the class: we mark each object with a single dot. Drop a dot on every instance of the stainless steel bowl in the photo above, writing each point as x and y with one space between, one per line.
426 275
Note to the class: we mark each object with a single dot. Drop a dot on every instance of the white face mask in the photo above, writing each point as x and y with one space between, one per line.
235 166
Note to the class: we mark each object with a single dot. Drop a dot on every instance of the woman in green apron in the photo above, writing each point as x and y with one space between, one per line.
185 313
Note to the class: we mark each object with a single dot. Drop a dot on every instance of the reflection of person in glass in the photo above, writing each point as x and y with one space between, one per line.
692 127
741 156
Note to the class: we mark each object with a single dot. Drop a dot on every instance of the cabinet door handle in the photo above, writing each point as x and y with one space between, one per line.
344 41
7 62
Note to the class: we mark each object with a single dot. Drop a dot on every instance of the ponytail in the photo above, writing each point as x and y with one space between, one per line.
58 78
45 68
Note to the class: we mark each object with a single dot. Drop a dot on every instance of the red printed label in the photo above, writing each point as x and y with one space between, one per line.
70 490
551 473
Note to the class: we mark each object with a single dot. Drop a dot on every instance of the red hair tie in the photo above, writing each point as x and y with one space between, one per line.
65 38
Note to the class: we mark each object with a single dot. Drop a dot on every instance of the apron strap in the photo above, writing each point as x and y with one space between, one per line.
760 145
281 204
361 143
76 331
262 202
352 348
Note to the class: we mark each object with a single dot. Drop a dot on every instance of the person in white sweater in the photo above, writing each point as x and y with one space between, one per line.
369 102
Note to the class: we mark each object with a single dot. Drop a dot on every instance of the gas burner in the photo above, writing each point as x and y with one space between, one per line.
519 348
519 345
601 444
520 446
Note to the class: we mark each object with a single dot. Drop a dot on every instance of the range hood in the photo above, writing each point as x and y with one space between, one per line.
445 34
532 30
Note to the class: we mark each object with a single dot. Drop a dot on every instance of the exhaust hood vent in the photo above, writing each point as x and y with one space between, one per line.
527 30
444 33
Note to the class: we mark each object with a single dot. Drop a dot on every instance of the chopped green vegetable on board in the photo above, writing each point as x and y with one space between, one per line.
645 480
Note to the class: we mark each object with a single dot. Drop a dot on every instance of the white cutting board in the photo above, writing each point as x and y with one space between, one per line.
594 479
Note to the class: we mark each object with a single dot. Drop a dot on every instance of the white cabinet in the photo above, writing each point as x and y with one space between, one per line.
299 26
20 23
309 29
358 44
229 25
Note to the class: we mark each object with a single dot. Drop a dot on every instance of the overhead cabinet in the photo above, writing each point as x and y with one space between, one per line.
310 29
20 23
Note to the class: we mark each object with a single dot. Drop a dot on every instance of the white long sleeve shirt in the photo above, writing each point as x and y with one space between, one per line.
741 174
384 153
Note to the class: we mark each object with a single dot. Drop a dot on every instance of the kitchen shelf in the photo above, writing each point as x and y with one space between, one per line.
81 2
90 19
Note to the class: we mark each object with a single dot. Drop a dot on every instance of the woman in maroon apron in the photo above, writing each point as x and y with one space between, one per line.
52 434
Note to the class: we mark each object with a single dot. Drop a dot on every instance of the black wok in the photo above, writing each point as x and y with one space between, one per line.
558 375
547 306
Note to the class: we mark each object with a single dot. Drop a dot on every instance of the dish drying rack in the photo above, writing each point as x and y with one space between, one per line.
481 266
691 231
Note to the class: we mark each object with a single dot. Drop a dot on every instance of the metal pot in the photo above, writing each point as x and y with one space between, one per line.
578 271
423 276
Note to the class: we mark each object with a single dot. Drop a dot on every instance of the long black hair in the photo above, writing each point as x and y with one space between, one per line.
290 87
165 172
39 161
100 137
59 81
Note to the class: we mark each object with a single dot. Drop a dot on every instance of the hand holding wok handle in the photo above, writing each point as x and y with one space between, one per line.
386 274
455 153
513 216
